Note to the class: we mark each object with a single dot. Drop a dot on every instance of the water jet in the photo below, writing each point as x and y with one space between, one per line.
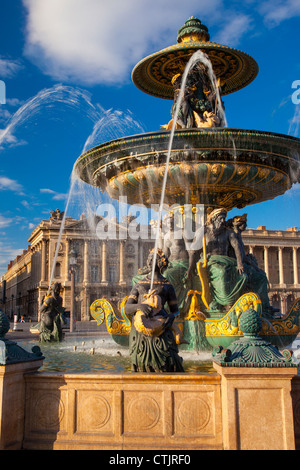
200 163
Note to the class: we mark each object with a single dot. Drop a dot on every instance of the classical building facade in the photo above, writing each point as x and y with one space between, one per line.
105 267
277 253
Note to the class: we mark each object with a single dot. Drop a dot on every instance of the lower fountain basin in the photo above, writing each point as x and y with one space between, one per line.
101 355
216 167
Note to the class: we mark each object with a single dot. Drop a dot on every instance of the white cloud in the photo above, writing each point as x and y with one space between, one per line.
7 184
5 221
55 195
276 11
8 139
295 122
236 26
95 41
7 254
9 68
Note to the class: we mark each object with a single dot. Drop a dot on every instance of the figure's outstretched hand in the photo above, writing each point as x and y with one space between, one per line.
240 269
146 309
188 275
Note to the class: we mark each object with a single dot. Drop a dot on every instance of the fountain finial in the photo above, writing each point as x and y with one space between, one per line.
193 30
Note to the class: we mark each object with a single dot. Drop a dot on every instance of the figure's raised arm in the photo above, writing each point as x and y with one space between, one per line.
237 250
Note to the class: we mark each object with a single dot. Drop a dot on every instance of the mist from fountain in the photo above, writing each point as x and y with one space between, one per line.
111 124
107 124
197 57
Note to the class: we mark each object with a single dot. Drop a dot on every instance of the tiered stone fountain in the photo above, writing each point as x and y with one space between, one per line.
210 167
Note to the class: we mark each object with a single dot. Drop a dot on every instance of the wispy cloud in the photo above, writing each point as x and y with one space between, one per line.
236 27
55 195
7 184
9 68
95 41
295 122
8 139
276 11
5 221
7 253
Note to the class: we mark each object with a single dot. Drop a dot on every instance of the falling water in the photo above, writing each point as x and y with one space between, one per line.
62 226
66 95
204 59
294 126
116 124
198 56
107 124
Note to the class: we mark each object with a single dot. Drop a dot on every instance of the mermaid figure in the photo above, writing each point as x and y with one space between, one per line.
154 338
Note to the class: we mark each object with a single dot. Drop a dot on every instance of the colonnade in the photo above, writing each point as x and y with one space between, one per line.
47 253
282 280
283 290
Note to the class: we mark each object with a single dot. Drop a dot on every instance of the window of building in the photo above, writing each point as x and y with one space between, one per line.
78 275
77 247
112 275
130 270
94 249
57 272
94 273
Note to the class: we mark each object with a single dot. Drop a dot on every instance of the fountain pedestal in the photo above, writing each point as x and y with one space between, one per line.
15 362
257 411
256 382
12 402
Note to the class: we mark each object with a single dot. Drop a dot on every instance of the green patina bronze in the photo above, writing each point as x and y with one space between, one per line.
10 351
52 316
252 350
209 167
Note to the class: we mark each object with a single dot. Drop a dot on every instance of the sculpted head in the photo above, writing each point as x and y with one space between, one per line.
56 288
217 218
161 260
240 222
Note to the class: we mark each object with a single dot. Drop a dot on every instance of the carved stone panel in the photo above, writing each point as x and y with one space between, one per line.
143 413
94 412
194 414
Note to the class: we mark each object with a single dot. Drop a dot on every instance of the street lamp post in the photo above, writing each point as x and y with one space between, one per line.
72 271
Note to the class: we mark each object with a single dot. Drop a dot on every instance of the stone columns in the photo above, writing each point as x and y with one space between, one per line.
280 261
266 261
104 254
141 255
67 260
295 265
43 265
50 258
85 262
122 262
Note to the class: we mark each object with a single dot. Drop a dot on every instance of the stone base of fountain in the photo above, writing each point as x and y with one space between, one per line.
225 410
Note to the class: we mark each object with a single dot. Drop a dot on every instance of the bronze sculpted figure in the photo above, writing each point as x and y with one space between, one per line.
198 104
257 279
154 337
231 272
52 316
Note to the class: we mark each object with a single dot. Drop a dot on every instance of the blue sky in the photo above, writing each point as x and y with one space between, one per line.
67 68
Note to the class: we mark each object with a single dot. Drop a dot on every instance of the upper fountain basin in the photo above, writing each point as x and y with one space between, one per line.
216 167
